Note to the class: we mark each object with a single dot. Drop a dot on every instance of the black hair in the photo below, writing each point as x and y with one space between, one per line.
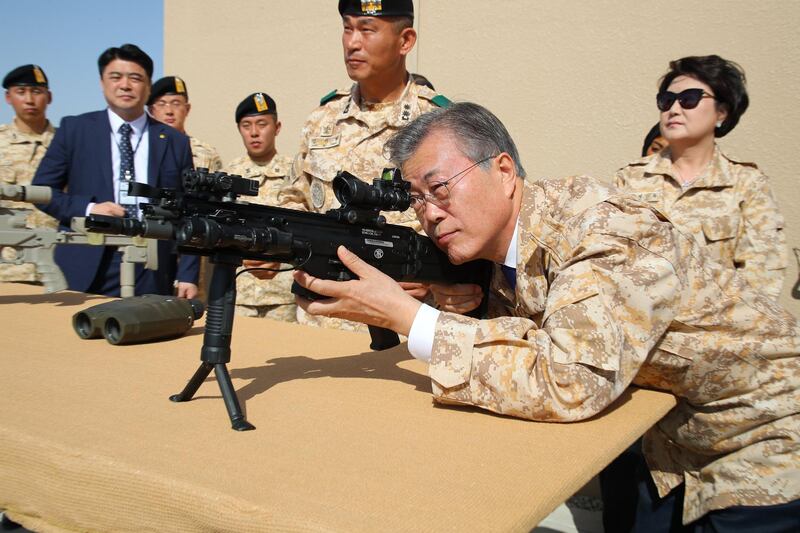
654 132
126 52
725 78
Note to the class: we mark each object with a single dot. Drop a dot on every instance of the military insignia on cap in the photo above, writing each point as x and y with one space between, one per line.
261 102
371 7
179 86
317 194
38 75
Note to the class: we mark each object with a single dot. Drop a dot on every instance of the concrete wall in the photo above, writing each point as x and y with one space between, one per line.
574 82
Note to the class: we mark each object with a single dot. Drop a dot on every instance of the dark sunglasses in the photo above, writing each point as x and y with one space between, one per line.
689 98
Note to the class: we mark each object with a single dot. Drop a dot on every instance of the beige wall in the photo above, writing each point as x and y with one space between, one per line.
573 81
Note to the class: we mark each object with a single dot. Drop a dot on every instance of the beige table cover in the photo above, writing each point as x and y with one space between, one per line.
347 439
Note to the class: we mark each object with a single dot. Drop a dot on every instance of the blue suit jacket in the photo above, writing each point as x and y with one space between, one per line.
77 166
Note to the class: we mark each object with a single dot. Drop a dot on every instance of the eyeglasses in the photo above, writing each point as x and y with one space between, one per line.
440 190
161 104
689 98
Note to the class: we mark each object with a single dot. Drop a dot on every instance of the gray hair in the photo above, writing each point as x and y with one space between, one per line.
478 133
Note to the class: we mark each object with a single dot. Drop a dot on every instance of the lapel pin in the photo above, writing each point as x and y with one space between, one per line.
162 136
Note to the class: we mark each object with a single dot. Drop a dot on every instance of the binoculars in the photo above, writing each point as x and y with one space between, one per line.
138 319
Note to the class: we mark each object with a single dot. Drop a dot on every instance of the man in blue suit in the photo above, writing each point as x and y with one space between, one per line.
89 164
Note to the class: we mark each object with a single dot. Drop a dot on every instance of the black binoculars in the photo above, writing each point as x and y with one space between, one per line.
138 319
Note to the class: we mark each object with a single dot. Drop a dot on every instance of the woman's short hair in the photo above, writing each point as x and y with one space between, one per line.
725 78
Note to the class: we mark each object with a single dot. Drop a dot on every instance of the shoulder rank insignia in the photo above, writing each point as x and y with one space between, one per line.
441 101
328 97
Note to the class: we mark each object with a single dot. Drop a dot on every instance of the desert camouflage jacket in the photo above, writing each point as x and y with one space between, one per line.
609 294
204 155
730 209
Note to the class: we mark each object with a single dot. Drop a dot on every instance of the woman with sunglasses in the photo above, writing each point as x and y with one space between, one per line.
725 202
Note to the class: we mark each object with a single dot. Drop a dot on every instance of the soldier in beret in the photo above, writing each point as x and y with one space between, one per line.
258 124
169 103
349 128
23 143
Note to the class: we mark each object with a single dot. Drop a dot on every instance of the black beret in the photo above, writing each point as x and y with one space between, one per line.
377 8
167 85
256 104
25 75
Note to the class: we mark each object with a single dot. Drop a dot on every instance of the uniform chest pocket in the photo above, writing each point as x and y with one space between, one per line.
7 173
720 228
323 163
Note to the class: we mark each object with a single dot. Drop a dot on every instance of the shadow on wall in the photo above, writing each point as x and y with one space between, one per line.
796 287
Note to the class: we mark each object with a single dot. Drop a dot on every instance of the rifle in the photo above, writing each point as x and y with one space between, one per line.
205 218
36 245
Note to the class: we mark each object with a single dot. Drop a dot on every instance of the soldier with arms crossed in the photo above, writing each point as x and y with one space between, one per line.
350 127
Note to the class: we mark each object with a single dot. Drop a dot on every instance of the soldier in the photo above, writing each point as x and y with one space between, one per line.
23 143
257 120
593 290
349 128
169 103
725 202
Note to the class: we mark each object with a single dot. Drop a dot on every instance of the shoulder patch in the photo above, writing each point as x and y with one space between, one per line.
328 97
441 100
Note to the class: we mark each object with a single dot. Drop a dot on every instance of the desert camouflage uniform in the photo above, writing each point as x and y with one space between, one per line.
256 297
204 155
608 294
345 133
20 154
730 209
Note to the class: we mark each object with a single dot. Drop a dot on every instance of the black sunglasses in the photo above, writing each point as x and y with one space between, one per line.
689 98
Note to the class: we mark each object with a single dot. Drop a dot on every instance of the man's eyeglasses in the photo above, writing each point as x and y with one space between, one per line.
161 104
440 191
688 99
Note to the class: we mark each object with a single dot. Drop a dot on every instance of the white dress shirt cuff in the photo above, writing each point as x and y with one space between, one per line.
423 329
89 208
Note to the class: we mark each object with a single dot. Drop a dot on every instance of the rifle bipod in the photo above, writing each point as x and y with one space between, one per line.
216 351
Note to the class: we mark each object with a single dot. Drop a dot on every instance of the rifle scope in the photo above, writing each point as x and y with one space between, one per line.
218 183
389 193
204 232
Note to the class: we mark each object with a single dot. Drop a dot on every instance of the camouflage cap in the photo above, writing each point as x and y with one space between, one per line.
377 8
168 85
28 75
256 104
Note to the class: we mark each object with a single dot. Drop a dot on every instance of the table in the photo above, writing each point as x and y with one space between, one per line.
347 439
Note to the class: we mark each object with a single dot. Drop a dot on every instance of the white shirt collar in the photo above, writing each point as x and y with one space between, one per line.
116 121
511 254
